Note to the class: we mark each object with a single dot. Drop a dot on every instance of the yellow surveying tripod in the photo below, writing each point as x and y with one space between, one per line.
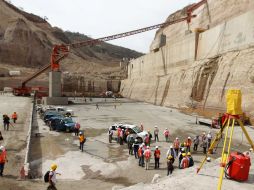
234 111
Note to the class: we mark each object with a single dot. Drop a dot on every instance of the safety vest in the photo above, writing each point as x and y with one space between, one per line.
166 133
147 154
176 144
147 139
139 152
188 142
77 126
185 163
3 157
157 153
81 138
14 116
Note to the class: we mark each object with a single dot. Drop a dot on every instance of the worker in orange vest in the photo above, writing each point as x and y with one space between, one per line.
147 156
3 159
157 155
188 144
176 145
14 117
185 162
81 141
141 156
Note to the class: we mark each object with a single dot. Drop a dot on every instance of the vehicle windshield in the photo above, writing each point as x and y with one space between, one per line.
68 120
136 129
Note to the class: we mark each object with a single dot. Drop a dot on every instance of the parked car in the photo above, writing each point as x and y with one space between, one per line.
134 131
50 114
64 111
64 124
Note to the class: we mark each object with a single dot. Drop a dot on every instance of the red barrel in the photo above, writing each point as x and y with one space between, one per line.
238 166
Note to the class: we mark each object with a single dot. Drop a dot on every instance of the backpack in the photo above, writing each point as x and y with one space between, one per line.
46 177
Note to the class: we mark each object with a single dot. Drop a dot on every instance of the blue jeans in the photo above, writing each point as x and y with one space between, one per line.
1 169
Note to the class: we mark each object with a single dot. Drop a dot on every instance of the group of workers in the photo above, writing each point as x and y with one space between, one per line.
6 120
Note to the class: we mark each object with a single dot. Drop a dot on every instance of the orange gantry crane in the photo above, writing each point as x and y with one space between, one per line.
59 52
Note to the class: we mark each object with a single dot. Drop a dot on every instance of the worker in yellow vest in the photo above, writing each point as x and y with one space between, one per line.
81 141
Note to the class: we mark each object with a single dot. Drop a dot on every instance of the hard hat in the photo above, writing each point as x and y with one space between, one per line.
170 157
143 144
147 147
177 138
251 150
155 126
80 133
189 138
184 154
53 166
136 140
171 146
156 147
188 154
166 128
208 159
1 147
183 149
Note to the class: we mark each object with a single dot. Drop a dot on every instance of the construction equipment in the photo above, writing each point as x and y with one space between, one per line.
233 111
59 52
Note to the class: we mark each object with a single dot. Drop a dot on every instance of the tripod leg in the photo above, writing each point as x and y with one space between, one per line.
246 133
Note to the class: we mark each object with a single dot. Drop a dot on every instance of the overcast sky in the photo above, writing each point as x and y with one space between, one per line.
99 18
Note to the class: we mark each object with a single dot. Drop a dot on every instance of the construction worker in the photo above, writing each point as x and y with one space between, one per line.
1 136
171 152
170 164
204 145
157 155
156 134
81 141
6 121
184 162
118 134
141 127
180 157
52 177
110 135
76 128
196 143
146 140
135 148
150 137
141 155
121 137
3 159
166 134
188 144
14 117
147 156
209 139
190 159
176 145
130 141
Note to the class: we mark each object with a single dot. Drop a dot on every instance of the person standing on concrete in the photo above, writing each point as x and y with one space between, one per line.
170 164
52 177
209 139
121 136
130 141
110 135
1 136
3 159
14 117
196 143
176 145
97 106
76 128
188 144
147 156
157 155
6 121
135 148
118 134
166 134
180 157
81 141
146 140
141 127
171 152
184 162
204 145
141 155
150 137
156 134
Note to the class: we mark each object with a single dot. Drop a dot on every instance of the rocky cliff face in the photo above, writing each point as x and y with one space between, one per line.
194 70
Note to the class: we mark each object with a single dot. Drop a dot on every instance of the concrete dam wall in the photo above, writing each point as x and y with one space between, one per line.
196 69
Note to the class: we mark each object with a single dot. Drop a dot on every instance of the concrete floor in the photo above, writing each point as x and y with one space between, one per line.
103 165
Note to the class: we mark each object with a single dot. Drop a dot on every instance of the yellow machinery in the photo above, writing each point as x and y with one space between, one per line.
233 111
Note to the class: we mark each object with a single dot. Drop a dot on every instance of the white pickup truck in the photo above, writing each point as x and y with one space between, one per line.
64 111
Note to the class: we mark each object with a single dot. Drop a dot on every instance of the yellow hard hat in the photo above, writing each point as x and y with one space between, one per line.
184 154
53 166
189 154
170 157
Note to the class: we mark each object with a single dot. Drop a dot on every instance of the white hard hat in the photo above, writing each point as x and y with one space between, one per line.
80 133
177 138
166 128
171 146
143 144
189 138
1 147
183 149
155 126
251 150
136 140
147 147
208 159
156 147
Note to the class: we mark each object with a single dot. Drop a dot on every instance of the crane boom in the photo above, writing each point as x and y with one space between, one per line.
59 52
